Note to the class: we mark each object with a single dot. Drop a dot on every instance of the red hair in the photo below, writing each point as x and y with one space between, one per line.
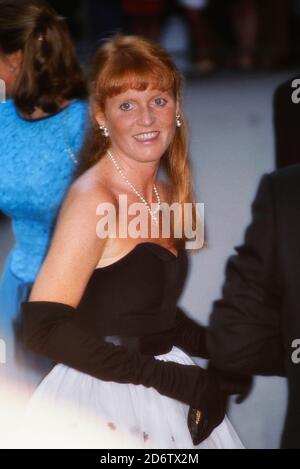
133 62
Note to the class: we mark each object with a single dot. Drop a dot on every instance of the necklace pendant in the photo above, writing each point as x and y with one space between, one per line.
152 212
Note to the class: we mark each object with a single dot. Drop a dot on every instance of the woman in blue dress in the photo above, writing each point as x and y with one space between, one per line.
42 126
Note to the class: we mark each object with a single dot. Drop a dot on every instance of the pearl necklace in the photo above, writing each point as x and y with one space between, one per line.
152 212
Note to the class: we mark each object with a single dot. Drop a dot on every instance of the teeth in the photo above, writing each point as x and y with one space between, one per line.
149 136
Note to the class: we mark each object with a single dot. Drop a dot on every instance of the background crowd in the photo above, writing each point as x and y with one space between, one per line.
236 34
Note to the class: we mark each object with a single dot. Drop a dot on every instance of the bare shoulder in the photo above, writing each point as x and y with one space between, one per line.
88 193
75 248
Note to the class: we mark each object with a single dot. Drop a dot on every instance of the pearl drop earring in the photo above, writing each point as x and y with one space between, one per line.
104 130
178 121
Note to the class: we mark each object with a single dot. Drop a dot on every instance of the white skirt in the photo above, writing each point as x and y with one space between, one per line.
71 409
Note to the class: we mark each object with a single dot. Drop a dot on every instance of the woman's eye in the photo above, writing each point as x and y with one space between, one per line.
160 101
125 107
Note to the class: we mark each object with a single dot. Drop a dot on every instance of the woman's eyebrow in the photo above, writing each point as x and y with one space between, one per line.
134 96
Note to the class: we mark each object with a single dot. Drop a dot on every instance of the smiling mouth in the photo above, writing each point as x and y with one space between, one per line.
146 137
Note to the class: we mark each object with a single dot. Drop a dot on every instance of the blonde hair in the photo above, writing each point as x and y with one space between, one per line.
132 62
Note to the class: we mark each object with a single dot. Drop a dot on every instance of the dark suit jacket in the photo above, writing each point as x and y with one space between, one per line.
253 325
286 125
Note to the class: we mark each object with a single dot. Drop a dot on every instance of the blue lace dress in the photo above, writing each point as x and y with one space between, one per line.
35 173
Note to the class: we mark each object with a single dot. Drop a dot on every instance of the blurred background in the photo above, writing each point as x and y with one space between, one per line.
204 35
234 54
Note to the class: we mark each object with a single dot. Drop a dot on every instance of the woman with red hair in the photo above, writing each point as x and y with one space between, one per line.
105 305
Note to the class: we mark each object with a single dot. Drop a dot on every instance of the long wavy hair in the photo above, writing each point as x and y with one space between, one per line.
132 62
50 72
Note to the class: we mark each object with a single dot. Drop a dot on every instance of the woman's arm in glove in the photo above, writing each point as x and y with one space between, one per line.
51 330
189 335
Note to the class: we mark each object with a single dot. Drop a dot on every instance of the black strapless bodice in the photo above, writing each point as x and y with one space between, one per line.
135 296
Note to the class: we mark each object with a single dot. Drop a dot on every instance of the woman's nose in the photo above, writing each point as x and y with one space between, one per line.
146 116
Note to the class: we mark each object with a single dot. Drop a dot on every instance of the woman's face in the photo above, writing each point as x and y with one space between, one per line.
141 124
9 70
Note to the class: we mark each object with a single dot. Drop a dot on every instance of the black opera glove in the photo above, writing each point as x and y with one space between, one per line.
210 413
189 335
51 329
220 385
